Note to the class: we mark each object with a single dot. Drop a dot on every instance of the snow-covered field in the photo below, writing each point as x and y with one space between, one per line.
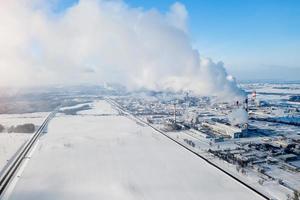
9 145
113 157
273 88
11 142
99 108
17 119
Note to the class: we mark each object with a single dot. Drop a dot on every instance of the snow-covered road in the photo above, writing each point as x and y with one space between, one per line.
112 157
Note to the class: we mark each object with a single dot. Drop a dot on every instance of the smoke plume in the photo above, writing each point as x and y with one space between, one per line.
238 116
97 41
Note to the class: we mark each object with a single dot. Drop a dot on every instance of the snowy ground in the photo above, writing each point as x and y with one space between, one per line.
9 145
99 108
269 188
11 142
17 119
113 157
273 88
291 178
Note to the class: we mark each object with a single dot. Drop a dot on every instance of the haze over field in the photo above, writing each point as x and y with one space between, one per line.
105 41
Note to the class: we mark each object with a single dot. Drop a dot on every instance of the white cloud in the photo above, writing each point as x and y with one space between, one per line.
178 16
96 41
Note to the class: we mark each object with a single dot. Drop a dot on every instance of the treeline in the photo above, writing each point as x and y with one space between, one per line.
73 111
23 128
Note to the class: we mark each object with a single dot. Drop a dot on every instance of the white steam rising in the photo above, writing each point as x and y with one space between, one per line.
238 116
97 40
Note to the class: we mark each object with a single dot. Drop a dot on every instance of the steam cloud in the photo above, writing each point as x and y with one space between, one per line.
238 116
98 41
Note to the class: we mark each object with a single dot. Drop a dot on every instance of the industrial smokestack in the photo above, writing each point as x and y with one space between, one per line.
254 95
246 104
175 113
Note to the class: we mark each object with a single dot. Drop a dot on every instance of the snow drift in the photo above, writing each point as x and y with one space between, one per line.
96 40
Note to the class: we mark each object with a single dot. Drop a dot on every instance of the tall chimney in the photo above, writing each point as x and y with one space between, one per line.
174 112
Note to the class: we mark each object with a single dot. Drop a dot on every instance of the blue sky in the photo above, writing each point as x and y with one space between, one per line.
254 38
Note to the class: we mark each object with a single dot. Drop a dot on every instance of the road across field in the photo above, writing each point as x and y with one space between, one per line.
10 172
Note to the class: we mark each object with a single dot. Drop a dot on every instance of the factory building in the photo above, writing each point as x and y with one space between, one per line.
226 130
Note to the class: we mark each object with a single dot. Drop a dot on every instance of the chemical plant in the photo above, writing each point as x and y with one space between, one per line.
256 139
